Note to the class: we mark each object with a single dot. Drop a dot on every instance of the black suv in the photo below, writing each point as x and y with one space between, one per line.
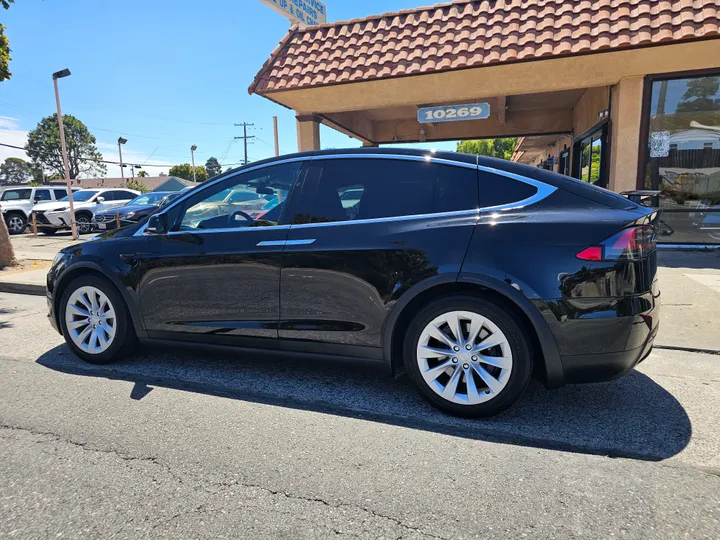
467 273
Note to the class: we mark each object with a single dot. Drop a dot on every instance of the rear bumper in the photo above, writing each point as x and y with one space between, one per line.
590 368
601 339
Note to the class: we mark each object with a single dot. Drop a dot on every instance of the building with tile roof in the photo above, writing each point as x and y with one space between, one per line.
593 88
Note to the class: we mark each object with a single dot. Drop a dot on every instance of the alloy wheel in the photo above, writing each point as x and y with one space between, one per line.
83 225
16 224
90 320
464 357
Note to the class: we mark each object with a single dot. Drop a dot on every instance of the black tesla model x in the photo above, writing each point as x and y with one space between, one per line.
466 273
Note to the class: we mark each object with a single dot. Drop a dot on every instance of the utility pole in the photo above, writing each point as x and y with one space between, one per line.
245 138
192 153
73 225
277 137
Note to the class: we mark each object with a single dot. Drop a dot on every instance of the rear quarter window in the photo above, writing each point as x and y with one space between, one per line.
496 190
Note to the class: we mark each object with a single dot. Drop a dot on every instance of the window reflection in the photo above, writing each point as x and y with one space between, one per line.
684 157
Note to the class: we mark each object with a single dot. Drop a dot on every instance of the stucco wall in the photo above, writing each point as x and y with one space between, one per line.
585 113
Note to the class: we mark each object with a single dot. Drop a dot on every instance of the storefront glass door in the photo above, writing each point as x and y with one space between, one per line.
684 157
590 158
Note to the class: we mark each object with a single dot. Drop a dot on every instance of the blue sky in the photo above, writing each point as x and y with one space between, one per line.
165 74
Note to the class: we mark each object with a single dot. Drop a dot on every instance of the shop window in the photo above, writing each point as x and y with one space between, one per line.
683 157
590 152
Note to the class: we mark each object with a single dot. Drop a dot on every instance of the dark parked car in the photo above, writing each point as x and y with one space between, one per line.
137 209
467 273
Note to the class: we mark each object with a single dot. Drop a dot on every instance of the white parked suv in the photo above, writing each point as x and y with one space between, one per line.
53 216
17 203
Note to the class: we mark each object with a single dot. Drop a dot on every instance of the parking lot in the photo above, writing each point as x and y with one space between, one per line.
186 442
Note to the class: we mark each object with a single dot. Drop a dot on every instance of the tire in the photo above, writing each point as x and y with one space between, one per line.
123 341
16 223
49 231
83 223
512 357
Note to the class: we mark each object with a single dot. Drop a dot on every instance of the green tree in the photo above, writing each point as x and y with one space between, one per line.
186 171
137 185
700 95
142 174
43 147
498 148
213 167
6 3
4 55
16 171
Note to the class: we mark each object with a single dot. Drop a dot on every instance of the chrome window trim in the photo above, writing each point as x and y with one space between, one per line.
456 213
239 229
543 191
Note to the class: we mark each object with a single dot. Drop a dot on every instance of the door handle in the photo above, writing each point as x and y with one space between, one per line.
283 243
304 242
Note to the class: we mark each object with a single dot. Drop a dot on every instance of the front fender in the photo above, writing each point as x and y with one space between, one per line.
84 267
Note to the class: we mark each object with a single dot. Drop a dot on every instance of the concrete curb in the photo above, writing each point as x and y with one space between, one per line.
22 288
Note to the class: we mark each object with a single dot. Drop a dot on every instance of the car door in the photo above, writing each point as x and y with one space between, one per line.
350 256
216 275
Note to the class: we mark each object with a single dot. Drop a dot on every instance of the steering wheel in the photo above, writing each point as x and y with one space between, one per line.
233 218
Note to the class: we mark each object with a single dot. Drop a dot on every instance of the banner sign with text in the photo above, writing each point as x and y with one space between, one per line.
454 113
307 12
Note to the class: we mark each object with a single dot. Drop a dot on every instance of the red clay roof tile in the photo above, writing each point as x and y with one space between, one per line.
462 34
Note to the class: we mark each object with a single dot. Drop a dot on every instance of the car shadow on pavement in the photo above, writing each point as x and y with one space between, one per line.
633 417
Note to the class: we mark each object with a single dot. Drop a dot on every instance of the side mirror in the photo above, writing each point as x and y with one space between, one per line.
37 200
157 224
100 200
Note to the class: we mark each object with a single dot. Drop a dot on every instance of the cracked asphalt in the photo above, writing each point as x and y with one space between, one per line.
179 443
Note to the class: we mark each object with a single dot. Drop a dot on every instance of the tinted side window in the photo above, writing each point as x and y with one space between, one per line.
496 190
108 196
124 196
457 189
354 189
42 195
60 193
16 195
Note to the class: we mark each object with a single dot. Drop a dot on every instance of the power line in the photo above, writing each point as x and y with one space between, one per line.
84 159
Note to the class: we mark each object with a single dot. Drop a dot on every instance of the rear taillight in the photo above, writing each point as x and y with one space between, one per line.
631 244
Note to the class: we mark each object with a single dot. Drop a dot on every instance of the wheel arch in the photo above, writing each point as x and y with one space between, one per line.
547 357
93 269
18 211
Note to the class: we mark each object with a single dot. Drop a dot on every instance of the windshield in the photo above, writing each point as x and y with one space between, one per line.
81 196
16 195
148 199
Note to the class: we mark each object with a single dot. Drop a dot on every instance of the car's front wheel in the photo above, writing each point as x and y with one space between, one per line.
83 223
16 223
95 321
467 356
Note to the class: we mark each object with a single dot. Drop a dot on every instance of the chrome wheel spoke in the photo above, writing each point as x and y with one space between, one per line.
472 391
496 361
432 352
451 386
490 342
78 324
433 373
455 325
438 334
493 384
79 311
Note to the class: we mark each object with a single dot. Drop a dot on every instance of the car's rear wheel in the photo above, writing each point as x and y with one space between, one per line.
467 356
95 321
16 223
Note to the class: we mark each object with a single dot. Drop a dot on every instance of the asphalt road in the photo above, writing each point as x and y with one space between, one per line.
181 443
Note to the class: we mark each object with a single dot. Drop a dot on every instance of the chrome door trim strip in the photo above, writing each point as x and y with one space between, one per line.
271 243
305 242
240 229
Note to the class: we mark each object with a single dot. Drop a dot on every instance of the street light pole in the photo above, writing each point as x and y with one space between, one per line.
73 225
192 153
121 141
